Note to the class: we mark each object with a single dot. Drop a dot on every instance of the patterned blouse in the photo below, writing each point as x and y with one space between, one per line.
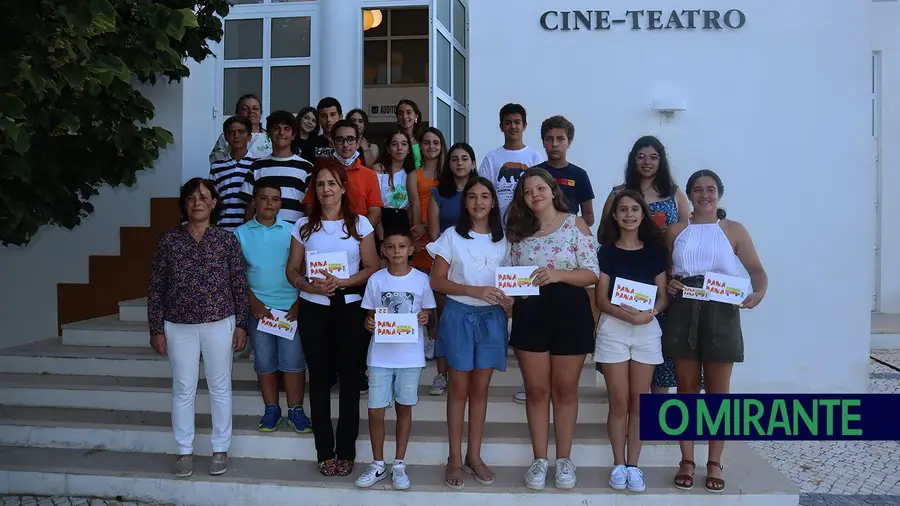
193 282
565 249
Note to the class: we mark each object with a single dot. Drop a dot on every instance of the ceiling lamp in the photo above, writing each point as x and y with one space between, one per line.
371 19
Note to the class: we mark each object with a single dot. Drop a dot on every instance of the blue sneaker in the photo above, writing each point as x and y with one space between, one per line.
299 421
269 421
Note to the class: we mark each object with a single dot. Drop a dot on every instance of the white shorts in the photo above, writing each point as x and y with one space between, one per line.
619 341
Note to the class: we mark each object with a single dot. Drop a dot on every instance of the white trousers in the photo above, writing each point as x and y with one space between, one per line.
184 345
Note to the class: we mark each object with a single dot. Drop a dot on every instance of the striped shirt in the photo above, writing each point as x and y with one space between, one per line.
291 174
229 176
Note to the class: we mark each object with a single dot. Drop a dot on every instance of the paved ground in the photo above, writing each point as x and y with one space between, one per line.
828 473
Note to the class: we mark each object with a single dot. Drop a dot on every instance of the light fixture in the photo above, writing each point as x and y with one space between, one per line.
371 19
668 107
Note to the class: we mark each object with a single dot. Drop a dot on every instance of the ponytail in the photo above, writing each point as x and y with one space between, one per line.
720 213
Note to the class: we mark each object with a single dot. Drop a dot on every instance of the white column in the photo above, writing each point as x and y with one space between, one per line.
341 52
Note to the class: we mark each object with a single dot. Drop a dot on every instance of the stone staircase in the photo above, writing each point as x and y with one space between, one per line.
88 415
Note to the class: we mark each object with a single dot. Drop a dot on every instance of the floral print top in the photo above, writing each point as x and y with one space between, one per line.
197 282
260 146
565 249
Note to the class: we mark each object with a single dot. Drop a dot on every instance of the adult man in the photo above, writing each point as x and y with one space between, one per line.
558 133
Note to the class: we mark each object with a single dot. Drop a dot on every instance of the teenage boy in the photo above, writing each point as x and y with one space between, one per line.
329 112
230 172
505 165
266 241
289 171
558 133
395 369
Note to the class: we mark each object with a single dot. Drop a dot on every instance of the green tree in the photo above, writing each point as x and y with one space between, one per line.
71 119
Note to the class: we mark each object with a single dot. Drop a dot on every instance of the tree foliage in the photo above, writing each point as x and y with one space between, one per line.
71 119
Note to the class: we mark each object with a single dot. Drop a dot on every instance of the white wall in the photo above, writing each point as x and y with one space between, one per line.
779 108
201 128
30 274
884 27
384 97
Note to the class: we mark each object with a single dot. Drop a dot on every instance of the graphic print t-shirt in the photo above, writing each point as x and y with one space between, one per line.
399 294
504 168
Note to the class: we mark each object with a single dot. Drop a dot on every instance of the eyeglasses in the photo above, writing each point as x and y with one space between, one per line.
654 157
344 140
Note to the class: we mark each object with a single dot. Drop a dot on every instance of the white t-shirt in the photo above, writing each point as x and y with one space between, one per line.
330 239
504 168
396 197
473 262
399 294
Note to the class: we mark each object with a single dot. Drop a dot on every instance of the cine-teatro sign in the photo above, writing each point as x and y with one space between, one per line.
687 19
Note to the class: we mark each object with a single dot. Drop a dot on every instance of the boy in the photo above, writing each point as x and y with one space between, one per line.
505 165
229 173
395 369
266 241
329 112
289 171
558 133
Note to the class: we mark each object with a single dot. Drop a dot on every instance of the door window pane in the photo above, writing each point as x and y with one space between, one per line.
459 77
243 39
289 88
239 82
409 61
443 12
409 22
443 117
443 63
375 62
459 22
459 127
290 37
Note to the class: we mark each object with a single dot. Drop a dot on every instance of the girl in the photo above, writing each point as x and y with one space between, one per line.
628 340
368 151
393 169
550 348
308 128
465 259
434 155
706 335
408 116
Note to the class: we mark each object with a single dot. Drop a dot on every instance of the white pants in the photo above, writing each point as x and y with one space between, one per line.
184 345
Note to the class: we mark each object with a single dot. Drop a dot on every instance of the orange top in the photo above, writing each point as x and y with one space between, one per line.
362 189
421 259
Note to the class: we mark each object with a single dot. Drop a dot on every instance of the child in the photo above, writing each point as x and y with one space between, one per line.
395 369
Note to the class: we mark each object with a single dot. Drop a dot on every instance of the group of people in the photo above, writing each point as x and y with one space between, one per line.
423 230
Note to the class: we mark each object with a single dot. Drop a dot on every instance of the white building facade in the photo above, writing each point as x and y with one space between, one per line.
789 102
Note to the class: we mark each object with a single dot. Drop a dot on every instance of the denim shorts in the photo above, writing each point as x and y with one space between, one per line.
474 337
386 385
272 353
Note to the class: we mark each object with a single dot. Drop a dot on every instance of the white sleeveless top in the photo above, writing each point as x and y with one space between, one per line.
702 248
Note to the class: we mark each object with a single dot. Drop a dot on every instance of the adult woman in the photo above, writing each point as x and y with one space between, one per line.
444 210
550 349
332 329
368 151
408 117
307 130
260 146
434 155
393 171
473 324
647 172
197 303
628 339
706 335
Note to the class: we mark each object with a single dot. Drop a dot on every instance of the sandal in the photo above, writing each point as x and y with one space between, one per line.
685 481
715 485
453 477
481 472
326 467
343 467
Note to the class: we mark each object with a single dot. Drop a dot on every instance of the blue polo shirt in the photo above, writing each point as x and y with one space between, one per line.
266 253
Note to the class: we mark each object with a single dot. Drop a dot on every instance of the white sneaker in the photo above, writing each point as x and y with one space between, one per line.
438 385
519 398
635 478
536 476
372 475
399 476
617 478
565 474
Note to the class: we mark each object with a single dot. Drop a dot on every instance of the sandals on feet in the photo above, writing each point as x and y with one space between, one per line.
481 472
453 476
714 484
684 481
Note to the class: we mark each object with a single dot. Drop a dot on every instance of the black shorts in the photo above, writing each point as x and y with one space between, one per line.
559 320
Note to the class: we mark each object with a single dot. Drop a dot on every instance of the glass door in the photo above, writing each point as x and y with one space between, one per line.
449 71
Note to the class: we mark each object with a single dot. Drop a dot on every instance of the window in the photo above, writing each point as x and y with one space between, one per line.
396 51
267 50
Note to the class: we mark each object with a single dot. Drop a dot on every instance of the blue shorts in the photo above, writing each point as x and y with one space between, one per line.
439 348
474 337
272 353
386 385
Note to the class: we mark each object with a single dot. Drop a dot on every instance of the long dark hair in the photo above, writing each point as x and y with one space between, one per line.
446 182
720 213
189 188
521 222
648 232
662 182
417 125
314 223
387 161
442 158
465 221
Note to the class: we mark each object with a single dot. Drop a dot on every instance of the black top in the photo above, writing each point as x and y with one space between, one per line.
641 265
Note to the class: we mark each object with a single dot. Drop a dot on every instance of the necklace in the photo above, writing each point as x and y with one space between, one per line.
551 222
